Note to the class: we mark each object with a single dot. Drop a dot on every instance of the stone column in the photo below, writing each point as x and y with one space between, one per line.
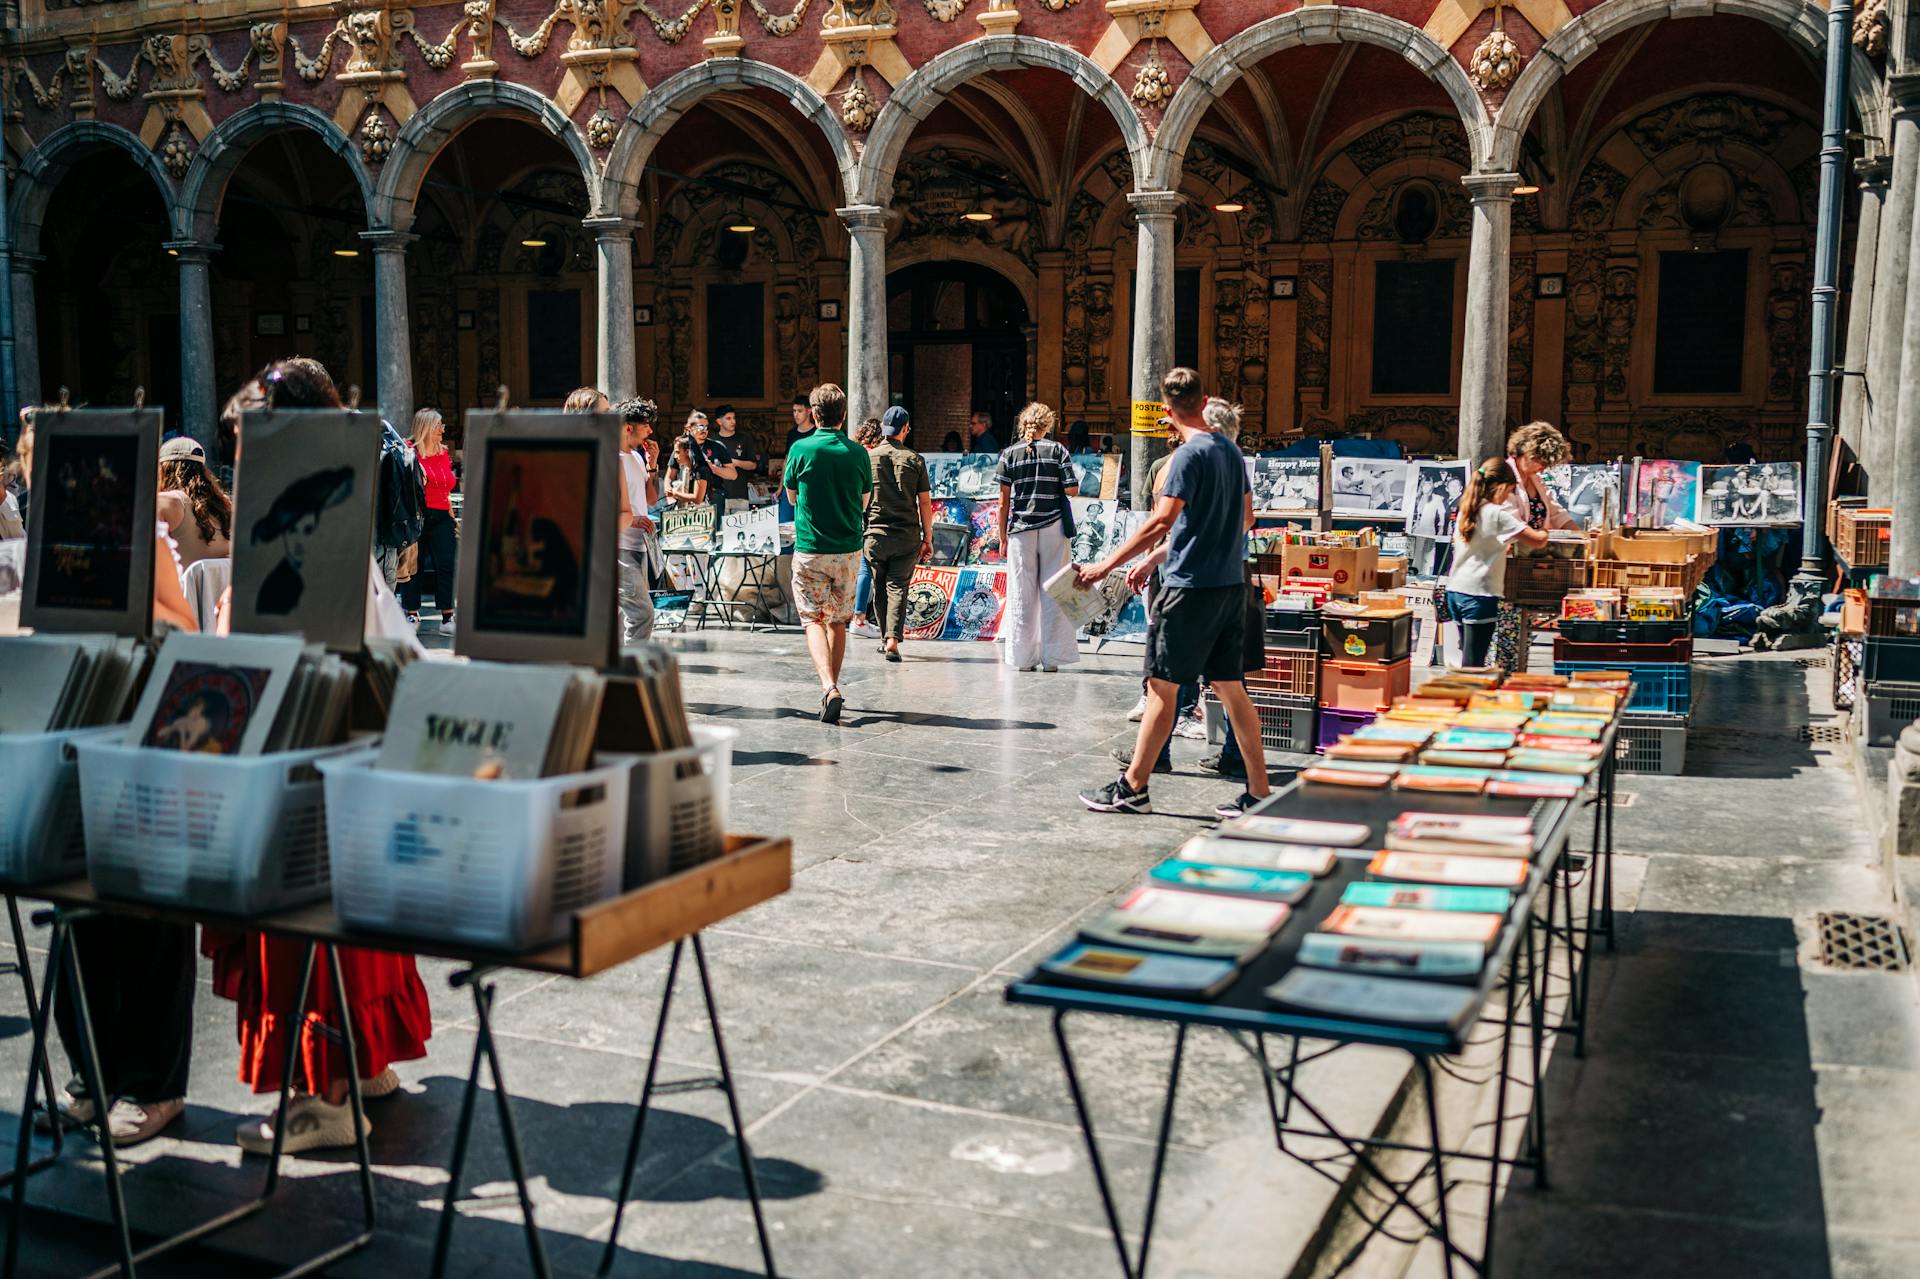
1890 270
1483 365
1866 245
866 310
199 405
1152 317
393 348
613 250
26 334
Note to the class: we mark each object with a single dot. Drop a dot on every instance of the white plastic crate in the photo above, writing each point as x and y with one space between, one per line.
240 834
41 834
490 863
1286 723
1884 709
677 806
1652 744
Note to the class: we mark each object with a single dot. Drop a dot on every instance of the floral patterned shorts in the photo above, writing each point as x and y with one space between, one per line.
823 587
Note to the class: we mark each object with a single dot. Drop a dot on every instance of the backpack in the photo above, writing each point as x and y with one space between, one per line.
401 511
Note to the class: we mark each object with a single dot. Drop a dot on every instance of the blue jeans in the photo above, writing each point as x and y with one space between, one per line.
862 589
1477 616
1183 704
1232 762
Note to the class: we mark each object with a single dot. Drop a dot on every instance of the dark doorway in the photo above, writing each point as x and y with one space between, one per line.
956 338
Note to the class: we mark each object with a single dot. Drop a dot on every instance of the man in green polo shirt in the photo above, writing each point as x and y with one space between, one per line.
827 477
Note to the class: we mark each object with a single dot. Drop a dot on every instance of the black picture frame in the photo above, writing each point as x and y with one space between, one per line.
465 320
643 314
91 546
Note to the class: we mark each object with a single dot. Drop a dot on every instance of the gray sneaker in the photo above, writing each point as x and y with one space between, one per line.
132 1122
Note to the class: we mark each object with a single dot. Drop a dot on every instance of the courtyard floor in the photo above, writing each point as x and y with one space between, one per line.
1741 1111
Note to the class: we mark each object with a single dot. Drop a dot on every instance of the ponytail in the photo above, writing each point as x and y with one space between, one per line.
1494 473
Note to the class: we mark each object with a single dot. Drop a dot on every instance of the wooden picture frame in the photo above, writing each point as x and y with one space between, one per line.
90 544
538 538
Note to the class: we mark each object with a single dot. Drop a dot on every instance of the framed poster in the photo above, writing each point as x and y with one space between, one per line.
1663 492
1589 491
1749 493
537 537
1432 500
90 528
1284 485
303 524
1373 487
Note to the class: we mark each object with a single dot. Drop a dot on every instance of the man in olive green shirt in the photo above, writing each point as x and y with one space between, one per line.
899 524
827 476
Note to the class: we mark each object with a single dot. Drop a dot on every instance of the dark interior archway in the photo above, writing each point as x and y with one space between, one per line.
956 339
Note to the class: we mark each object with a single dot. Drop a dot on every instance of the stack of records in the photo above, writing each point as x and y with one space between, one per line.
492 720
243 695
645 711
50 683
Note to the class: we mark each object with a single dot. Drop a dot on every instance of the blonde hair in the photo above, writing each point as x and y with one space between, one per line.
1540 441
424 420
1035 422
1494 473
587 399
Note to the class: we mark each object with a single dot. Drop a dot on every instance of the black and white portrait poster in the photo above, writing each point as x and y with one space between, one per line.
90 529
1433 497
752 532
303 524
1749 493
1374 487
1589 491
1285 485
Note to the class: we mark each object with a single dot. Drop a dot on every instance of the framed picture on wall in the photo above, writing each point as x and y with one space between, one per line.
303 324
270 324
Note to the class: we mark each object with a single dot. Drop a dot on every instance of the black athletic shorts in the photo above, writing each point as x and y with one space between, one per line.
1198 633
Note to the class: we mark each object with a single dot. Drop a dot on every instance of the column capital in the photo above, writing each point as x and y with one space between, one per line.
185 250
1904 88
1489 187
1875 171
865 217
1154 204
387 240
609 227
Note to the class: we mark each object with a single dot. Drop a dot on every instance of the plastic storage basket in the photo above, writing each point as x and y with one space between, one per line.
240 835
677 806
1886 709
1849 652
1364 686
1652 744
1291 671
1335 725
41 835
1659 688
1286 723
491 863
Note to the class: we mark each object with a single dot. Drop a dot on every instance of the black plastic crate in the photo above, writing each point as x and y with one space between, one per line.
1888 708
1296 628
1892 660
1368 639
1652 744
1567 649
1587 630
1849 653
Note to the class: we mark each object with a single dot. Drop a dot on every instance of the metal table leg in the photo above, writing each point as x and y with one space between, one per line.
38 1060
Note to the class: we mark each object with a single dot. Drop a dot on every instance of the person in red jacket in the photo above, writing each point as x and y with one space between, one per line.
439 545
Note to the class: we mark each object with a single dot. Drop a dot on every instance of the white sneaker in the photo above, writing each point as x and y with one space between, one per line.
132 1122
1192 729
312 1124
75 1110
1139 711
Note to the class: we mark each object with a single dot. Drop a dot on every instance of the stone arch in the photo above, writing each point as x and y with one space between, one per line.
219 157
1314 24
649 121
916 97
42 168
433 126
1015 272
1802 22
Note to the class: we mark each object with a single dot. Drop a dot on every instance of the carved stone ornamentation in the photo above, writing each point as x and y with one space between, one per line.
479 21
176 153
1872 24
857 107
601 128
860 13
266 41
376 139
933 189
1152 86
1495 64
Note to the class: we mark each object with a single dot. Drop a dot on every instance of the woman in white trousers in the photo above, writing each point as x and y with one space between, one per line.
1036 477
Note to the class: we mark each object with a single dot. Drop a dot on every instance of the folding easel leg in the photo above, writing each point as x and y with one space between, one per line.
40 1060
17 1206
91 1074
510 1135
640 1116
733 1107
443 1237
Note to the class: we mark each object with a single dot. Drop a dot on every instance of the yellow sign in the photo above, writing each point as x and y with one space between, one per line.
1146 416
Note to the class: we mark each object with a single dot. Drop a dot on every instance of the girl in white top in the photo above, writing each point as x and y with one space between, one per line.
1486 528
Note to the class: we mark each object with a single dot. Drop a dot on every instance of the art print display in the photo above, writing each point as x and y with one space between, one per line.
687 529
1092 528
303 524
1374 487
90 528
1664 492
979 602
929 596
216 695
963 474
1284 485
1088 468
1590 492
1433 497
1749 493
980 519
754 532
538 533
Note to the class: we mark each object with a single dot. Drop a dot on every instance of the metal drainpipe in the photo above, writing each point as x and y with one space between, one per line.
1824 378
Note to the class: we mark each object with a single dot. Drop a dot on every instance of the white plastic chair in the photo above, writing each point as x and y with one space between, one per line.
204 582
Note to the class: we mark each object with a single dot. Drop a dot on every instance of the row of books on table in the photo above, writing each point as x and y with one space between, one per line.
1430 910
1532 737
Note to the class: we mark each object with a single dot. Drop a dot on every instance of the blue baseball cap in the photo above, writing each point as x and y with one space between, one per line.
893 421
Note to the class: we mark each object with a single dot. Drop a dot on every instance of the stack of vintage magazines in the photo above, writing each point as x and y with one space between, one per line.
51 682
243 695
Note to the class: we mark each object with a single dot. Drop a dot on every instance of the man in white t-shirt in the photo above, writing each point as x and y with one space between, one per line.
636 541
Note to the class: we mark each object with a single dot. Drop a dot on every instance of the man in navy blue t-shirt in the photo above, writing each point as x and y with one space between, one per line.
1198 626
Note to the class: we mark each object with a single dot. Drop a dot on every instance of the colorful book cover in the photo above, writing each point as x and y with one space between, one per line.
1246 881
1439 868
1389 896
1122 968
1446 960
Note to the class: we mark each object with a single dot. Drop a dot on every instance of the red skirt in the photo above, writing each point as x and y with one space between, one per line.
391 1017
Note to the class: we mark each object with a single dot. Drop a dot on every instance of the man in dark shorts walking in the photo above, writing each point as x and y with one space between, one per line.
1198 628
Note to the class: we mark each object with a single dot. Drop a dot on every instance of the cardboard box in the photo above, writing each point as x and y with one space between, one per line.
1391 572
1352 569
1650 546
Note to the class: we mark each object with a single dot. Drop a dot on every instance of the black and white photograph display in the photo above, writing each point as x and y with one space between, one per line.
1588 491
963 474
1369 486
1433 497
1749 493
1285 485
90 527
303 524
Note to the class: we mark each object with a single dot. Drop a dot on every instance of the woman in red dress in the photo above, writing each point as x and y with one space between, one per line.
261 974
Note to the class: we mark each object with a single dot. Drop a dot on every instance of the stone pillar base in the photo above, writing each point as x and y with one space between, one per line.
1903 793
